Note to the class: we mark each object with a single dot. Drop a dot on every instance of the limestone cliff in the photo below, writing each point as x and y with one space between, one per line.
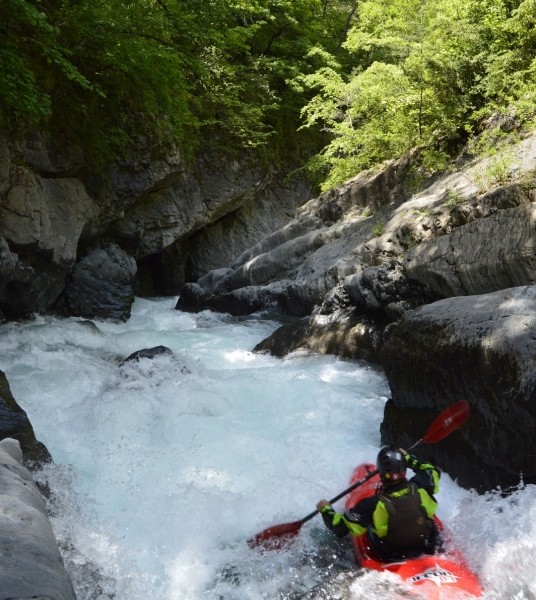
169 218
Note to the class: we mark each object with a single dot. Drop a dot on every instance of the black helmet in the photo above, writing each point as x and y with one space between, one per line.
391 464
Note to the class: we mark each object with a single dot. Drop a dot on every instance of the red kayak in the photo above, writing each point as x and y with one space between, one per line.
437 577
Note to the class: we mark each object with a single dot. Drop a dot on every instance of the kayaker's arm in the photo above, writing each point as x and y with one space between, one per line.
334 521
354 521
426 474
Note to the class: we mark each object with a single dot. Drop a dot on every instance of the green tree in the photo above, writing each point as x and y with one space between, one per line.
510 78
423 72
31 60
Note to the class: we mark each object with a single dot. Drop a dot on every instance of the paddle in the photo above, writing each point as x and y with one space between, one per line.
279 536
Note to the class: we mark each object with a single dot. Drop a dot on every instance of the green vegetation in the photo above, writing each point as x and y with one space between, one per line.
454 198
497 171
425 73
351 84
121 75
378 229
422 212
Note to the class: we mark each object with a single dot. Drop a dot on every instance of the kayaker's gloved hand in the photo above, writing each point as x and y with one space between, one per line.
411 461
322 504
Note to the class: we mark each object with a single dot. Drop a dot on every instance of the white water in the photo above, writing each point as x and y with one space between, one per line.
164 467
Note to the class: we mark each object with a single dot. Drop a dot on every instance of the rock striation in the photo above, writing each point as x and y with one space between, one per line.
345 268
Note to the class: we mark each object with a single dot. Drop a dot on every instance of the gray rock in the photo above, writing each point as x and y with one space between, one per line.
31 288
48 159
386 289
48 214
8 261
221 243
14 423
347 334
148 353
296 266
31 565
44 220
481 348
101 285
485 255
167 213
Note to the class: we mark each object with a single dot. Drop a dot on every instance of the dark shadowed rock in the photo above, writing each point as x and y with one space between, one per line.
101 285
482 348
285 297
51 159
150 353
14 423
349 335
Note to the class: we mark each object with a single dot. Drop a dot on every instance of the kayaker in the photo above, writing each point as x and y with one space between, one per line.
399 517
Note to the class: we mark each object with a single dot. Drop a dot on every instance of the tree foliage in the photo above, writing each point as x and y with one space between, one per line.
121 74
425 72
356 83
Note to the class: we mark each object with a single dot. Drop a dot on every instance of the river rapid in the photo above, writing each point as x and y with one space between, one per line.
164 467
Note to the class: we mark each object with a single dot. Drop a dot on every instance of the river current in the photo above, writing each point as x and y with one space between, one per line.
164 467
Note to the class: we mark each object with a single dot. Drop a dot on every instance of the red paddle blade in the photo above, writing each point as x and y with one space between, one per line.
448 421
276 537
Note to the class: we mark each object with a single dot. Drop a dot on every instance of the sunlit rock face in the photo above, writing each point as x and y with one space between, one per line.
296 266
481 348
487 254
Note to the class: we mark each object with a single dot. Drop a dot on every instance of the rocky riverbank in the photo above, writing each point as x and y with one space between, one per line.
82 241
436 286
348 268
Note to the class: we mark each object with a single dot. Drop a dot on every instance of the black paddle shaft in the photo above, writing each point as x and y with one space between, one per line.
342 494
354 485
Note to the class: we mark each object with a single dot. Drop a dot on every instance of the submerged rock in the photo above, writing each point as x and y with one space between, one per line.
148 353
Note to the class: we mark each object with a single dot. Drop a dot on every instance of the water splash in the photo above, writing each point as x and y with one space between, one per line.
164 467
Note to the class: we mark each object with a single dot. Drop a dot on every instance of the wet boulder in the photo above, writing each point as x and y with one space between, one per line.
346 333
14 423
148 353
481 348
101 285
